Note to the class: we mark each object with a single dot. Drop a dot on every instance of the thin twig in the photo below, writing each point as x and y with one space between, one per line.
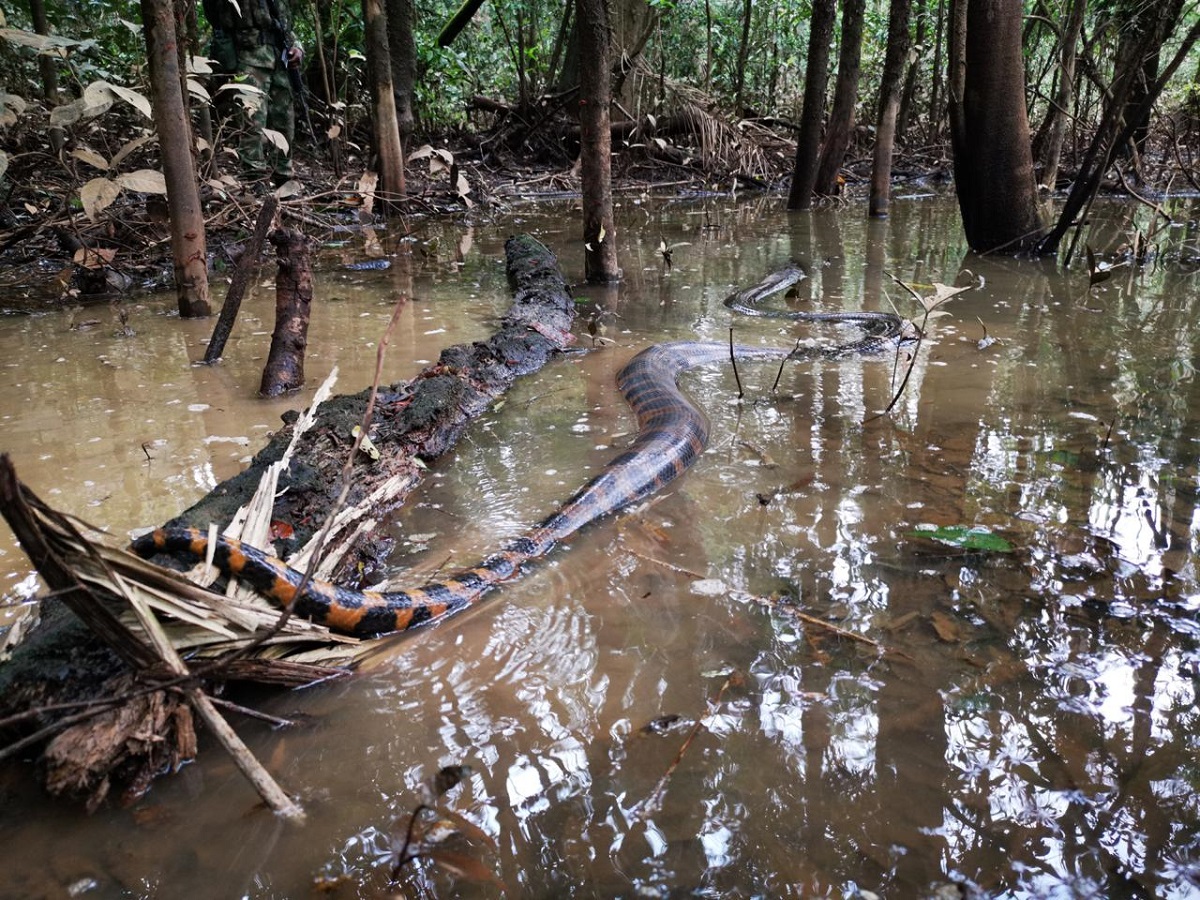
665 564
820 623
654 800
733 362
782 364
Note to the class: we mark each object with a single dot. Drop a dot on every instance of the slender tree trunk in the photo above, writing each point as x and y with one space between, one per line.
739 76
708 46
889 106
188 246
386 123
46 66
909 92
1108 136
595 138
284 370
1057 115
812 116
402 47
993 164
845 98
1160 20
935 76
202 111
48 70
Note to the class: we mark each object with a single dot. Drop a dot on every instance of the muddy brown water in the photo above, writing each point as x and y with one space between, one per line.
1021 722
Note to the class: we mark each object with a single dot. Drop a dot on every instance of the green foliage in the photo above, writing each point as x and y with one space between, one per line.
965 538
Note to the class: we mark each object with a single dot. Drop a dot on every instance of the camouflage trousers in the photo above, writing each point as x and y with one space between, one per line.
262 68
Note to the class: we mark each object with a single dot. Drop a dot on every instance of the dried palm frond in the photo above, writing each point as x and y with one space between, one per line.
725 143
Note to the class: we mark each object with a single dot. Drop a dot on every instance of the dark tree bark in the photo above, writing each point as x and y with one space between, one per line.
168 93
284 371
595 154
993 164
388 145
845 98
402 45
816 78
889 107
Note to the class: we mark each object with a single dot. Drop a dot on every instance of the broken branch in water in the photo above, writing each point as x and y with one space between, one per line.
653 801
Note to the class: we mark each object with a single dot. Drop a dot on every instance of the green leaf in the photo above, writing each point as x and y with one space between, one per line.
965 538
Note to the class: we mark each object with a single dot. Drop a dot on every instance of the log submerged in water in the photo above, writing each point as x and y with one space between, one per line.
414 422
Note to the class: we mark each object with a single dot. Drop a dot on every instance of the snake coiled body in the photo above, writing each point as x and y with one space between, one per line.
672 433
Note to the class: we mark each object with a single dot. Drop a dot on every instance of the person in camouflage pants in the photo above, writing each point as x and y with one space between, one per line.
248 43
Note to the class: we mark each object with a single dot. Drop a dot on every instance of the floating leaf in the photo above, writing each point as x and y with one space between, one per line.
965 538
1067 458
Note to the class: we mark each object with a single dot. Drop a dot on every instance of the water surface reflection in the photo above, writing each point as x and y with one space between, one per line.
1022 722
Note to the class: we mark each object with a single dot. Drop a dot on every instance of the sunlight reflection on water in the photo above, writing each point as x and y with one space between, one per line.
1022 721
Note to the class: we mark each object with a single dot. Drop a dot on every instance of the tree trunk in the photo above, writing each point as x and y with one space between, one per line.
935 77
202 111
889 106
993 164
595 153
845 98
388 145
402 47
1057 115
168 92
739 75
1109 135
284 371
1159 20
909 92
812 116
46 65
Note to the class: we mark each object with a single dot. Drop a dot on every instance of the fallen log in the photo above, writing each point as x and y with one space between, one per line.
72 673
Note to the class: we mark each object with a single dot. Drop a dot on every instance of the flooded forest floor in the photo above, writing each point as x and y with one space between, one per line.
955 644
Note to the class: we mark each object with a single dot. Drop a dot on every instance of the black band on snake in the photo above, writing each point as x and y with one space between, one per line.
672 433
